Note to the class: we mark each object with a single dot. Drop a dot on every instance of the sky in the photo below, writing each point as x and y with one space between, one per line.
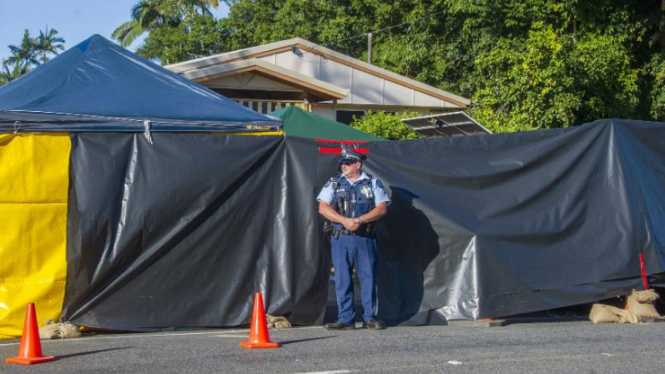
75 20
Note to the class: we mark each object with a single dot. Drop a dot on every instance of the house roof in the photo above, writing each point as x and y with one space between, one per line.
308 84
188 67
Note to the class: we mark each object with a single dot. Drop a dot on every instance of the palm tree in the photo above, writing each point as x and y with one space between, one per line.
25 54
150 14
7 75
49 42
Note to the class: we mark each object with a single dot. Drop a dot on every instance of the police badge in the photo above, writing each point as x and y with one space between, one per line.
367 191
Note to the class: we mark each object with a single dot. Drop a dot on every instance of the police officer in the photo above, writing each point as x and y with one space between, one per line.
352 201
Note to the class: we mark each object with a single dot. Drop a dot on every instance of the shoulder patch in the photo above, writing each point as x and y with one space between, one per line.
379 184
328 183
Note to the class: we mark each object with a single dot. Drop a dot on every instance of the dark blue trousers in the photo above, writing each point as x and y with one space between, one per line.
347 251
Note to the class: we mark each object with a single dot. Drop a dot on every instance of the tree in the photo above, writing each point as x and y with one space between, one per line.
48 42
23 55
555 64
385 125
524 65
203 36
30 53
656 95
7 75
148 15
551 80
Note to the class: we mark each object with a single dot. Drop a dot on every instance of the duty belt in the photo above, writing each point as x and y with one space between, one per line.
337 232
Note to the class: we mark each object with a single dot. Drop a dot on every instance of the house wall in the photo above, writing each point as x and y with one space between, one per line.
365 89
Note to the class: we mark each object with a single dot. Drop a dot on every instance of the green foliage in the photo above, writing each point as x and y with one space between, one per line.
7 75
25 54
549 80
202 36
48 42
386 125
525 65
30 53
555 64
656 70
149 15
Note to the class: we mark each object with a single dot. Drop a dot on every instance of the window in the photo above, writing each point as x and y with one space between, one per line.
346 116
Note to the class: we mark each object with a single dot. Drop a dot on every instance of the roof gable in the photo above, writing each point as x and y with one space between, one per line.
263 51
315 86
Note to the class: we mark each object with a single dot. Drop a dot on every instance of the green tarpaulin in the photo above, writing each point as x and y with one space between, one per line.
298 122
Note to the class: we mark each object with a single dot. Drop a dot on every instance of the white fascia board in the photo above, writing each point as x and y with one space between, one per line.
228 56
229 68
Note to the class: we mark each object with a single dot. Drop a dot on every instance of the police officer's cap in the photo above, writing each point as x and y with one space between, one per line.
351 156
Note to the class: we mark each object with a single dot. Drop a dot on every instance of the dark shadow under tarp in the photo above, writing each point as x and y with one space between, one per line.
183 232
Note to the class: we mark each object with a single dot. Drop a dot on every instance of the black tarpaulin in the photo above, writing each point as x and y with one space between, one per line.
499 225
183 232
100 86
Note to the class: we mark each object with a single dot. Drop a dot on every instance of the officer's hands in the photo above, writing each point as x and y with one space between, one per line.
351 224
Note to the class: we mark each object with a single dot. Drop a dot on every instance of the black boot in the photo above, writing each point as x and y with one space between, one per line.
374 325
339 326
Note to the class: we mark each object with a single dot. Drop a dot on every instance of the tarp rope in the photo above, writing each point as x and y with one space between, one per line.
148 136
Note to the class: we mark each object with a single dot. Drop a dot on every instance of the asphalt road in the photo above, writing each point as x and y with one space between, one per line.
561 347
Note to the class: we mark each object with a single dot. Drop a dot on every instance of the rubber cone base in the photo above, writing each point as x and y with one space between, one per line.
28 361
259 344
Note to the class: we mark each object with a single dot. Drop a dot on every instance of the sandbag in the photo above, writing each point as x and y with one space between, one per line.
644 308
68 330
608 314
277 322
63 330
50 331
648 296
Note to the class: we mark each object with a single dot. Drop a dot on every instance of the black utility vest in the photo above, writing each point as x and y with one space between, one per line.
352 200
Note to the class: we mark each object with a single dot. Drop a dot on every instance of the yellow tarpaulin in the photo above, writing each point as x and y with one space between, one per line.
33 227
262 133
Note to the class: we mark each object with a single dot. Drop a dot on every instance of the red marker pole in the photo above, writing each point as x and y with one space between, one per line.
341 141
644 272
339 150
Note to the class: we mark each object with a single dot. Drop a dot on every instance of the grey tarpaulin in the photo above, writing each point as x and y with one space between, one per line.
183 232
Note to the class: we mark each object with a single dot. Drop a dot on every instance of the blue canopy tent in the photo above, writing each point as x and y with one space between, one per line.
100 86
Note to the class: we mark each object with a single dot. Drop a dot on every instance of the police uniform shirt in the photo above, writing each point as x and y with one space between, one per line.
327 193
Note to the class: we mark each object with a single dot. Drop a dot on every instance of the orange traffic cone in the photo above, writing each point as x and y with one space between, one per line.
30 351
258 334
